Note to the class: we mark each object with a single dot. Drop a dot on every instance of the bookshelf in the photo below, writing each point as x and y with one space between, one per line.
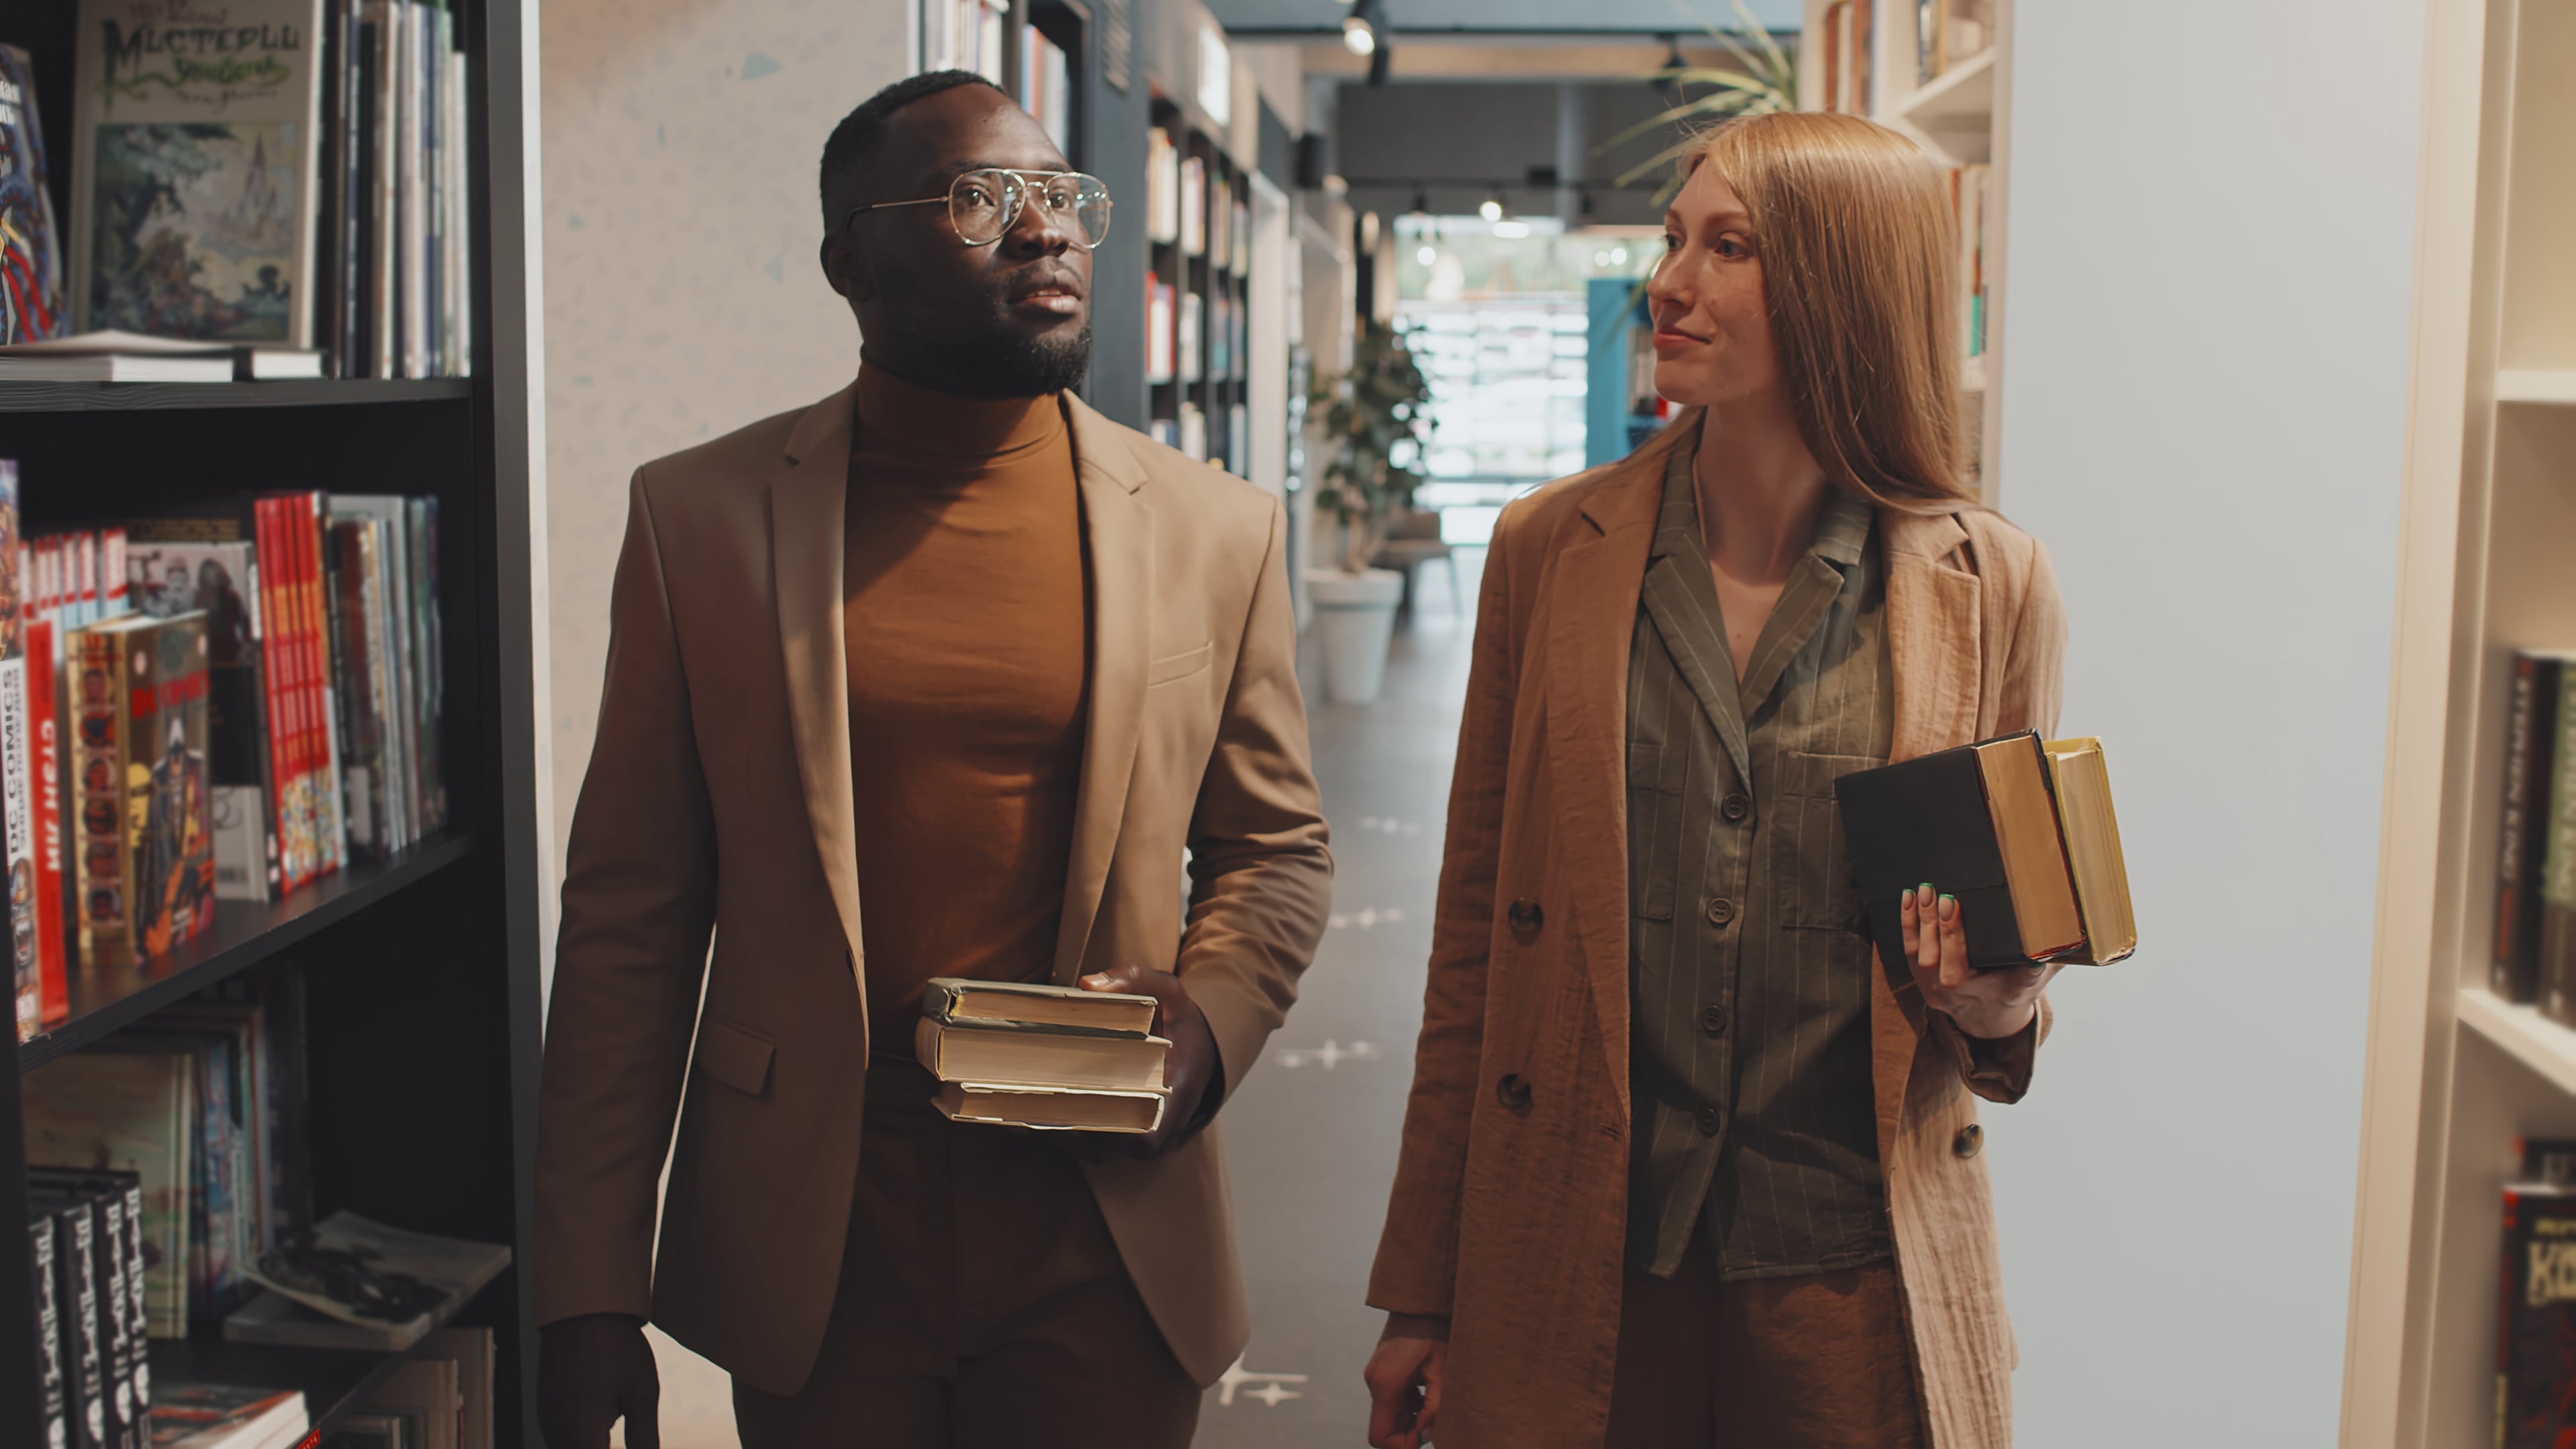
1198 212
420 972
1868 57
2455 1073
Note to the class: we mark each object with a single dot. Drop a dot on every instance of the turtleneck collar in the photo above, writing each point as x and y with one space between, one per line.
906 420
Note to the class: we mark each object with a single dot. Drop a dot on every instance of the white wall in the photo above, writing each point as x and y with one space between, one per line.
683 300
2212 232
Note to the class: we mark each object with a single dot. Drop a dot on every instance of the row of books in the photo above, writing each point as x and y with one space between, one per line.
2534 960
229 701
2535 1393
1186 206
1969 191
968 35
1188 431
1948 34
1181 344
310 191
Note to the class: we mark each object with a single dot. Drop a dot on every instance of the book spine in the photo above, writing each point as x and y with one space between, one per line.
422 622
98 693
138 1318
2558 869
277 657
308 512
2530 717
52 1421
44 699
85 1369
127 1412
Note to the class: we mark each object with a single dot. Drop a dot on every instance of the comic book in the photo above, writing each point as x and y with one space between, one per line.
146 857
31 254
194 168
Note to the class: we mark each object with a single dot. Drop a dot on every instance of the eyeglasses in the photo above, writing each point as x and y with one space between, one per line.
985 205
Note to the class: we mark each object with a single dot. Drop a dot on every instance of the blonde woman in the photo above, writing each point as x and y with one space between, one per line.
1686 1164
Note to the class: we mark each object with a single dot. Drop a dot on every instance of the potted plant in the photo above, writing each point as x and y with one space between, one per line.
1372 423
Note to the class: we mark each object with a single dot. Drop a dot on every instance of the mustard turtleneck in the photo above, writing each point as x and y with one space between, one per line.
965 596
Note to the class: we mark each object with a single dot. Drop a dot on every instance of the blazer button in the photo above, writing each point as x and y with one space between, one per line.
1711 1122
1712 1019
1735 808
1526 918
1970 1141
1513 1091
1721 911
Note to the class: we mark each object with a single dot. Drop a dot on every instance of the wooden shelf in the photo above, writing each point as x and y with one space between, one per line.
2527 1036
2551 385
1963 98
244 935
88 397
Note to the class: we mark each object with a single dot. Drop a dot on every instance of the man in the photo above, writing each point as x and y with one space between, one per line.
941 676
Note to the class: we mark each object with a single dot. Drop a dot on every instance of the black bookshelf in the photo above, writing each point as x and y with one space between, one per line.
419 974
1211 370
128 397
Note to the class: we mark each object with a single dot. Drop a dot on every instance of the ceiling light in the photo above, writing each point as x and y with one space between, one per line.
1491 208
1618 256
1427 255
1358 35
1511 230
1600 259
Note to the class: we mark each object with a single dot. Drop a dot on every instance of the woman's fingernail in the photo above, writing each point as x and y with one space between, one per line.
1926 889
1949 907
1905 902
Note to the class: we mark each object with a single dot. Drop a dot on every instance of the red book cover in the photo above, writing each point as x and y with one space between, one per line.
45 702
286 730
304 515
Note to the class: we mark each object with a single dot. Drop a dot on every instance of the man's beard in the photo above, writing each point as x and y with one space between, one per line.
981 352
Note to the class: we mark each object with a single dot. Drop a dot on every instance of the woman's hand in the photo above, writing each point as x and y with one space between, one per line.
1404 1377
1984 1003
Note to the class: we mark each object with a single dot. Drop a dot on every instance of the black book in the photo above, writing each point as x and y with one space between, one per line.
126 1190
2530 757
2536 1342
125 1397
86 1370
2011 828
53 1411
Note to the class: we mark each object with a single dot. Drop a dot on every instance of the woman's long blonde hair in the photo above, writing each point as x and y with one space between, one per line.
1859 250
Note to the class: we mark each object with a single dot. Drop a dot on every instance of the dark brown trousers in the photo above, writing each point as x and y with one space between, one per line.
1813 1362
982 1304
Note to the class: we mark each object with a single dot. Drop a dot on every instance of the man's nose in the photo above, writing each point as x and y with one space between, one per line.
1038 230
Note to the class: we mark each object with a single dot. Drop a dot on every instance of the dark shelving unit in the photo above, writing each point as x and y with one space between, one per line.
1213 380
419 974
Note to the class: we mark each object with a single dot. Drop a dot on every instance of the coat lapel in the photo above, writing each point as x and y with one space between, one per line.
1591 601
806 506
1118 529
1934 646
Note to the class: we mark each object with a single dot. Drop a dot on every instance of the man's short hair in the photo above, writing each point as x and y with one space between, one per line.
856 140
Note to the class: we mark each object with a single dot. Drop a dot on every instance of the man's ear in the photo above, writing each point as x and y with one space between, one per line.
845 266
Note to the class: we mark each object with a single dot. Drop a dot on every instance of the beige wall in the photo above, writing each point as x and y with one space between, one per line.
682 301
682 295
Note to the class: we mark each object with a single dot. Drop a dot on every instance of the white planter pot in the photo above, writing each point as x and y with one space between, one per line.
1356 615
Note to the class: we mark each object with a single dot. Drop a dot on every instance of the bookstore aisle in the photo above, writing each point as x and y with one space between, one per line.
1312 1138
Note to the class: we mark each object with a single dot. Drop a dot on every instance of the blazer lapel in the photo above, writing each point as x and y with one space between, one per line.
1934 646
1591 603
1118 531
806 505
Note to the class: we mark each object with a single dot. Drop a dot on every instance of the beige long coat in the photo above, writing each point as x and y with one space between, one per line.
1509 1211
718 801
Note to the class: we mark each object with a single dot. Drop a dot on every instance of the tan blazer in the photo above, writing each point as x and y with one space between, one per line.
1509 1210
719 799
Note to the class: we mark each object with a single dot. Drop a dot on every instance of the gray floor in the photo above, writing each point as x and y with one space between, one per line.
1312 1138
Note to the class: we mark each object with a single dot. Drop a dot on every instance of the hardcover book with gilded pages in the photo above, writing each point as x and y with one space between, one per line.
1051 1057
2021 831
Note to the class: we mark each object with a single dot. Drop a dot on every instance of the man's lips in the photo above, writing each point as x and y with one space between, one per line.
1057 295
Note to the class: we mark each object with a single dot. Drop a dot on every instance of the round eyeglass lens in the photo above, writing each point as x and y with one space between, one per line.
985 204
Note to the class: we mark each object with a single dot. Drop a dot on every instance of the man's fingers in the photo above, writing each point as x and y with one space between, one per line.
1434 1369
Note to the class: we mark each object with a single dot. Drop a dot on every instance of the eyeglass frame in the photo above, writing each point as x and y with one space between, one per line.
1017 206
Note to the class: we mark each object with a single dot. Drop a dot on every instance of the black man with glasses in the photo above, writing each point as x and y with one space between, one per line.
944 676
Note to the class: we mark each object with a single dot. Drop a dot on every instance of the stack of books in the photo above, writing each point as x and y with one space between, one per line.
2535 1392
1050 1057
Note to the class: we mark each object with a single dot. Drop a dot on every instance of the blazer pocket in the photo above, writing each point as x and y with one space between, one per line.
734 1056
1178 667
1811 864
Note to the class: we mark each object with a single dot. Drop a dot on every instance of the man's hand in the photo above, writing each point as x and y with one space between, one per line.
1404 1380
1992 1004
592 1371
1190 1070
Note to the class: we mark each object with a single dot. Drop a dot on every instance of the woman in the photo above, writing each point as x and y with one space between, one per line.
1685 1163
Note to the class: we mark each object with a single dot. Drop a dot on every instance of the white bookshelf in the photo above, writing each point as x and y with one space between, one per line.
1962 117
2488 566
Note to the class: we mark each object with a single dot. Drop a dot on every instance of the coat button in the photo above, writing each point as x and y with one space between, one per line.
1526 918
1721 911
1712 1019
1735 808
1512 1091
1970 1141
1711 1122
